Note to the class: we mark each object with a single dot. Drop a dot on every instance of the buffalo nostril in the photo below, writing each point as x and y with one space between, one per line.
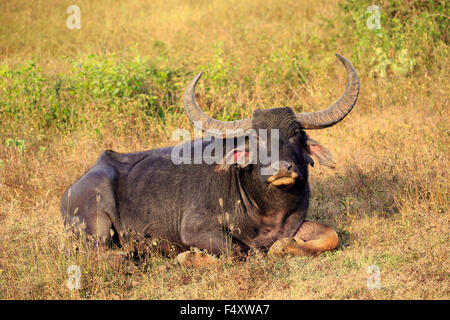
282 167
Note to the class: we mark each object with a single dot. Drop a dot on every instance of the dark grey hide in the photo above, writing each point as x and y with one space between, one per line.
194 204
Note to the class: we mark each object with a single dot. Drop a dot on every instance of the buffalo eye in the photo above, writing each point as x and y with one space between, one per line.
297 133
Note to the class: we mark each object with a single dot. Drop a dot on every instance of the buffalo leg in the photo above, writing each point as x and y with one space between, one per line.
311 239
212 241
88 206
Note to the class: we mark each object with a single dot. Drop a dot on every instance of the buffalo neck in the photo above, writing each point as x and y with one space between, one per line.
262 199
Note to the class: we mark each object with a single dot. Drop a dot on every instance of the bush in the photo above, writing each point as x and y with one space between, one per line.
98 83
408 35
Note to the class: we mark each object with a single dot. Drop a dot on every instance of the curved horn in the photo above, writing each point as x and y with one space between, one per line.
210 125
340 109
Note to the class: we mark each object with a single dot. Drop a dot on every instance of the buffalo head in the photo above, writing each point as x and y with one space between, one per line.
295 147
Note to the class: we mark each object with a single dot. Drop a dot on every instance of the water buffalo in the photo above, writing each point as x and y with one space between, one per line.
214 207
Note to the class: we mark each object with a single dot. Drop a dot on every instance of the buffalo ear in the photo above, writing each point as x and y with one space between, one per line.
238 156
322 154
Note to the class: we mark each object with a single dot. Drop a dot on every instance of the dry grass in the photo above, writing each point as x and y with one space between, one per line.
388 197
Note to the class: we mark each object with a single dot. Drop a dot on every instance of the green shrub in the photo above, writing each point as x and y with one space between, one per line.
103 84
408 35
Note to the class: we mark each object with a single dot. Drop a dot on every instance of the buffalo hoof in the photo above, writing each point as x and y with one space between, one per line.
196 259
312 238
289 246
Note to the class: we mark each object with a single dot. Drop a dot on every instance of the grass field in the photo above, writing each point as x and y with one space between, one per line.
117 83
